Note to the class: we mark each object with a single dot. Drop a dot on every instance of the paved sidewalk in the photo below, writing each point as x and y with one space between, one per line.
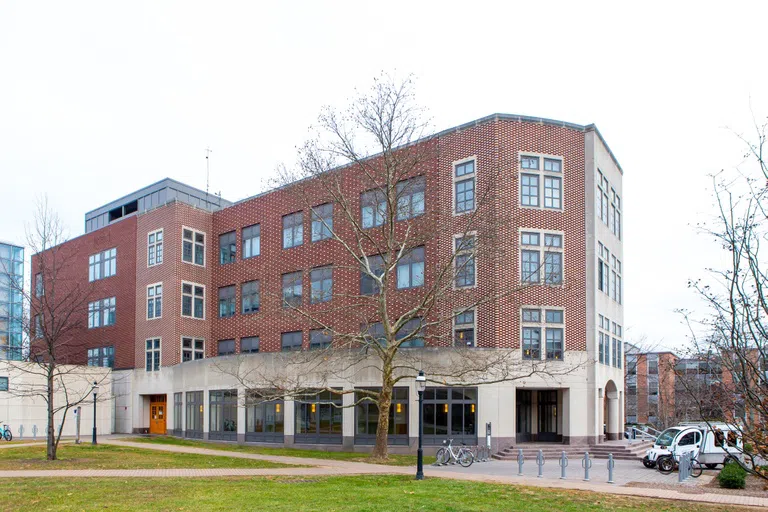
491 472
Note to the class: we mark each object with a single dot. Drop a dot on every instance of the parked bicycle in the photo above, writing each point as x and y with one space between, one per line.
463 455
5 432
667 464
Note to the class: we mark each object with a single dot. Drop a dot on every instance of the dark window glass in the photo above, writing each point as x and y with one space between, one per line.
249 345
227 248
227 301
410 198
410 269
252 241
226 347
319 339
291 341
250 297
293 230
292 289
322 284
368 285
373 208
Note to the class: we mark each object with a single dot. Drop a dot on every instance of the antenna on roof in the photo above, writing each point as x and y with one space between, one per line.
208 152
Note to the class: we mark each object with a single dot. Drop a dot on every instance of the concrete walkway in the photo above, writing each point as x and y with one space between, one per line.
328 467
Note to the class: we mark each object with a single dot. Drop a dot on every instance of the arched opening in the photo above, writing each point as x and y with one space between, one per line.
611 412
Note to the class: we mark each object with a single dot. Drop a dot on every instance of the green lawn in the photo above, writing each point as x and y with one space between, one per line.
86 456
357 493
394 460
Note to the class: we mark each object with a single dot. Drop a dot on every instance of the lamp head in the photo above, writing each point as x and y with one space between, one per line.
421 381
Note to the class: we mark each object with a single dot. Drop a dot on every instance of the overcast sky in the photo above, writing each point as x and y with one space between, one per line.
99 99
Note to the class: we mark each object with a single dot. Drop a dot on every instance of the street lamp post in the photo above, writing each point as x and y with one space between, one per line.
95 392
421 384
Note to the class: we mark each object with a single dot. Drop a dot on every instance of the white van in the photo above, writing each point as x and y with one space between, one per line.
698 438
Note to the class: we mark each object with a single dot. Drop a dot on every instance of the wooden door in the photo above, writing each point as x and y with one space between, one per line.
157 418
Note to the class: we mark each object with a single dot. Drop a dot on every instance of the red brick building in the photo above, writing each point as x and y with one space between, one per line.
201 280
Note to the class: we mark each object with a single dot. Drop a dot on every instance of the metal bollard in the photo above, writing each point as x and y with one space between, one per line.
540 461
563 463
520 461
34 432
611 464
586 463
21 431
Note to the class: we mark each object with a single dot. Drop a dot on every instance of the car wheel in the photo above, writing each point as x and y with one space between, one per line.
711 466
650 464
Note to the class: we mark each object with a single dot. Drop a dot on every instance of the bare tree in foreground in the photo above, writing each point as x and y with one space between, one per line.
410 260
58 310
736 329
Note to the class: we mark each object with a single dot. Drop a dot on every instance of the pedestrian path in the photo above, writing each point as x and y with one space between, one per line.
493 472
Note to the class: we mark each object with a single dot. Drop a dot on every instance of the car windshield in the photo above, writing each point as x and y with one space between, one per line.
666 437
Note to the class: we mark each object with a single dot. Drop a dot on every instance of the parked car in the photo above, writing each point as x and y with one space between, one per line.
713 443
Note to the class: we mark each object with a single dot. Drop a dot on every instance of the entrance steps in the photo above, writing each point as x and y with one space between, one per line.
621 450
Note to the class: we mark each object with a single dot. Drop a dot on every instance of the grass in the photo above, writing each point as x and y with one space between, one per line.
340 494
86 456
394 460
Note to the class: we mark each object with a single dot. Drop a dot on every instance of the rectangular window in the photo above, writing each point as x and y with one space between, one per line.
410 198
193 246
450 412
529 190
464 262
155 248
533 254
293 230
373 208
552 192
251 241
531 266
410 269
601 356
193 300
227 248
101 356
39 290
292 289
321 280
222 411
153 354
411 327
552 165
367 417
178 407
39 324
322 222
154 301
529 162
319 339
3 383
101 313
464 329
102 265
249 345
653 387
319 418
553 267
368 285
194 415
192 349
550 325
619 359
602 197
227 301
250 296
464 187
225 347
603 269
606 356
291 341
264 420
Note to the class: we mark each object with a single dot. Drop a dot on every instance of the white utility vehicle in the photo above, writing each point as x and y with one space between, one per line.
700 438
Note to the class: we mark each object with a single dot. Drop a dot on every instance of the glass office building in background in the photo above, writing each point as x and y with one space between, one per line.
11 310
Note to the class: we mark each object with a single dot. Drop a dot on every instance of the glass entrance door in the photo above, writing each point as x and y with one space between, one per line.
524 400
547 409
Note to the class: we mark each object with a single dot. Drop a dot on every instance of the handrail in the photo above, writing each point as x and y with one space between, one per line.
643 434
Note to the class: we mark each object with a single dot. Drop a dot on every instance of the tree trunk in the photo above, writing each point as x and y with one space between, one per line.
382 430
51 435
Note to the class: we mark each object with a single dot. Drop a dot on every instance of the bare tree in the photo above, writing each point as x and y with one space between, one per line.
735 332
414 259
58 309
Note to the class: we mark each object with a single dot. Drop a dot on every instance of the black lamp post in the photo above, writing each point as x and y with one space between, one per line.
95 392
421 384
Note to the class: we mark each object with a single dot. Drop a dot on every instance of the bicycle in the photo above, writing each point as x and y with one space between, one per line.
463 456
5 432
667 464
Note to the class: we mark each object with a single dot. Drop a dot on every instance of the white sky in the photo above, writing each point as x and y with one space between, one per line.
98 99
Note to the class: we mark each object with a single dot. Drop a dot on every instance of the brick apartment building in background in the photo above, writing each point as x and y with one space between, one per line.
184 281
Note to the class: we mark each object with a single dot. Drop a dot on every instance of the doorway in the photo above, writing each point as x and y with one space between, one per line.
157 416
524 402
547 413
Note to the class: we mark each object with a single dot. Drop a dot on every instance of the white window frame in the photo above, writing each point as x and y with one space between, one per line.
193 350
541 173
461 327
456 253
604 257
543 250
102 265
159 349
154 246
455 179
205 296
604 328
96 310
542 325
194 243
154 298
